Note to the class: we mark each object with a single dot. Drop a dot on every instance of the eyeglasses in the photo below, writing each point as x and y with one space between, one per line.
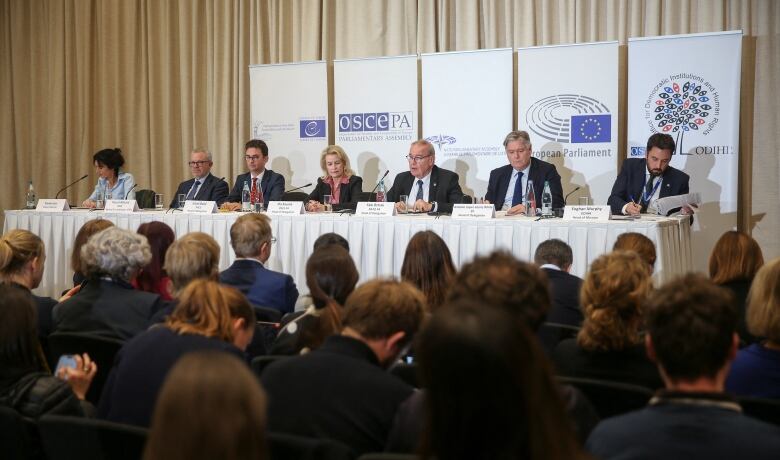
198 163
273 240
416 159
251 157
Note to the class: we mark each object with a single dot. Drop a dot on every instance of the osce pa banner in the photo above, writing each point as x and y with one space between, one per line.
289 108
572 116
467 112
688 86
375 103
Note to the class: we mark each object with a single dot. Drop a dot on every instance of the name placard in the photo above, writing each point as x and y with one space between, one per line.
372 209
121 206
473 211
285 208
586 213
200 207
52 205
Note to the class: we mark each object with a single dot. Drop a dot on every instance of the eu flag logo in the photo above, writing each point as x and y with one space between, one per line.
312 128
591 128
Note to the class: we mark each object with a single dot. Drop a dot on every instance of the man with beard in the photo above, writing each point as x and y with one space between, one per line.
642 181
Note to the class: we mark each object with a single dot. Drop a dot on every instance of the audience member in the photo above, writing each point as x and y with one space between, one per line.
691 325
209 317
503 404
341 390
112 182
338 180
251 239
428 265
734 261
331 276
210 406
86 231
152 278
107 305
756 369
639 243
609 346
326 239
555 257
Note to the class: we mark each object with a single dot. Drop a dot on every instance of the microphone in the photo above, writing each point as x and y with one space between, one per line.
71 184
131 189
221 179
377 184
298 188
569 194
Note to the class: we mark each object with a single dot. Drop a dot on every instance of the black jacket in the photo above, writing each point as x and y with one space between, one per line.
540 172
631 181
348 195
444 188
272 186
39 393
212 189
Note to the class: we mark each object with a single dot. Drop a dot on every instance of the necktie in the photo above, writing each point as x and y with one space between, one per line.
193 190
517 196
253 191
419 190
648 193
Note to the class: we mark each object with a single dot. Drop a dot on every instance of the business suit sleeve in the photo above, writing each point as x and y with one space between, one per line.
618 199
554 179
490 195
395 191
355 189
318 192
454 194
220 193
292 294
235 193
175 201
275 188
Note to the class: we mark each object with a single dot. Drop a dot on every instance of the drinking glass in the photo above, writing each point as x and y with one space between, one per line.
402 201
327 202
158 201
584 201
182 199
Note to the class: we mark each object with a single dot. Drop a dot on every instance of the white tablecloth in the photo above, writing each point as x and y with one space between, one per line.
376 244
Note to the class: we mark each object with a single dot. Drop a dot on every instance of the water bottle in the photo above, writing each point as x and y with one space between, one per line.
246 198
31 198
530 200
547 200
380 192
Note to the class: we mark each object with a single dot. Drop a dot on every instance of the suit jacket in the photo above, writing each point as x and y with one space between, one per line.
565 292
261 286
631 183
348 195
212 189
444 188
272 186
540 172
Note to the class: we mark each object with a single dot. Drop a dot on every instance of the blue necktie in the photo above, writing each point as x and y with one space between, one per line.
419 190
517 197
193 190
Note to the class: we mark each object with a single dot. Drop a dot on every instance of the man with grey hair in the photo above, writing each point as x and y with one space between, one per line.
251 239
107 305
508 185
554 257
427 186
203 185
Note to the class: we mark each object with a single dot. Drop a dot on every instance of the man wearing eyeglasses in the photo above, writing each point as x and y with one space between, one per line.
264 184
203 185
428 187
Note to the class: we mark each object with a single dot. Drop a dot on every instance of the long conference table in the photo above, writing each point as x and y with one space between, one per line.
377 244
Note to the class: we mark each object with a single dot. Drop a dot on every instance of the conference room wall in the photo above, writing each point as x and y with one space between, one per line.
160 77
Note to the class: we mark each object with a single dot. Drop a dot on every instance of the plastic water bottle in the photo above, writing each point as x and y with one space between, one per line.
246 198
547 200
32 199
380 192
530 200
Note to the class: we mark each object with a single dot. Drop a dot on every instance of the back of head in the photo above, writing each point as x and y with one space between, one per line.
326 239
193 256
501 280
89 228
18 333
612 296
248 233
763 305
160 237
638 243
17 248
555 252
428 265
210 406
490 392
115 252
692 323
735 256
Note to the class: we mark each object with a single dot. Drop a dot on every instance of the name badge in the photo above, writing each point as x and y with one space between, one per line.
586 213
52 205
200 207
372 209
121 206
473 211
285 208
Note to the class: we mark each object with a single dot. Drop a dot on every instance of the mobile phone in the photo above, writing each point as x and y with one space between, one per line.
65 361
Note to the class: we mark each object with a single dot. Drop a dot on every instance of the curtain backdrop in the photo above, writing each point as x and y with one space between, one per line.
158 78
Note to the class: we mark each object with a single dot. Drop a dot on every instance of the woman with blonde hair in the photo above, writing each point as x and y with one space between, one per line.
338 181
610 345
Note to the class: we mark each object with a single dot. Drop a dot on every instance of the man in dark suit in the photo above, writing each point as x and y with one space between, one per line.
642 181
264 184
251 239
203 186
508 184
554 257
428 187
341 390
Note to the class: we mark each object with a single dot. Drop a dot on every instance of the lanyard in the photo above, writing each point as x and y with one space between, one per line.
645 196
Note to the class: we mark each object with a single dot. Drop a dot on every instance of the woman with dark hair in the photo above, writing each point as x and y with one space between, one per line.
504 403
428 265
211 406
89 228
734 262
331 276
111 180
152 277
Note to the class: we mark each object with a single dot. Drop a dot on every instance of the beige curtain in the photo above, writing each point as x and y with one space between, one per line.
161 77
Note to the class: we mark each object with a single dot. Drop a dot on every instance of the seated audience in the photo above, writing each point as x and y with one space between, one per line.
756 369
338 181
208 317
107 305
331 276
734 261
555 257
639 243
326 239
210 406
251 239
86 231
610 345
341 390
152 278
489 390
428 265
691 325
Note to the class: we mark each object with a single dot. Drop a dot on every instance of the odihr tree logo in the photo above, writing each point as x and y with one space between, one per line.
681 109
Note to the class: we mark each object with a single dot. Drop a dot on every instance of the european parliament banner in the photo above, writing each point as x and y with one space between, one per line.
572 116
467 112
375 101
289 109
688 86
